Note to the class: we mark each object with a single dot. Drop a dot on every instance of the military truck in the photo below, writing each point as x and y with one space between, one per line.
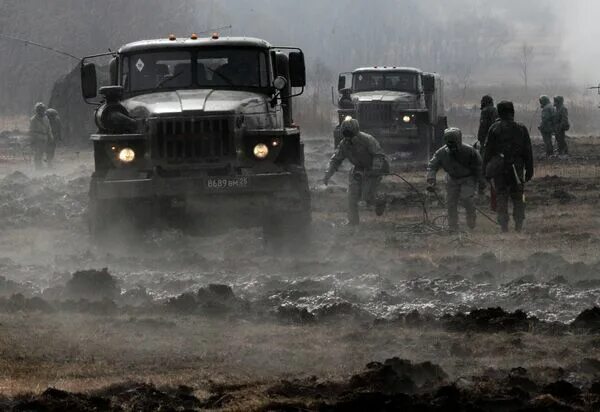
402 107
196 128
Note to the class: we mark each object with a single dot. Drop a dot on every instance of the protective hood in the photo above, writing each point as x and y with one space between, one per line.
559 101
486 101
506 110
453 137
206 101
544 100
350 127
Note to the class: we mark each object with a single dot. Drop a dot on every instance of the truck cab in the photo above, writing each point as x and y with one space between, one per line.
402 107
200 125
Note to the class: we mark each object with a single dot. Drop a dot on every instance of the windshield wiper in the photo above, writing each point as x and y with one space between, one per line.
167 79
222 76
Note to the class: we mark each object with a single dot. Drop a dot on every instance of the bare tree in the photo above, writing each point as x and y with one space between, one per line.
525 58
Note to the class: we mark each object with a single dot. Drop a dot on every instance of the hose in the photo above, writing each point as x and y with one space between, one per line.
427 224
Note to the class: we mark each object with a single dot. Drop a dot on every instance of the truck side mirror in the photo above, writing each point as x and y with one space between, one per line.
113 67
428 83
297 69
341 83
89 82
344 81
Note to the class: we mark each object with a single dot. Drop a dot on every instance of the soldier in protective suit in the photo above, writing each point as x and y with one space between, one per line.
463 167
56 128
561 124
508 161
370 164
546 126
489 115
40 133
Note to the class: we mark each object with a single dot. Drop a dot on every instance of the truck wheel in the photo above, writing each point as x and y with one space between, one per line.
98 213
426 144
337 137
287 232
438 140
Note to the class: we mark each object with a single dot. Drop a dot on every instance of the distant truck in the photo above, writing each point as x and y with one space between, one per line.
402 107
197 128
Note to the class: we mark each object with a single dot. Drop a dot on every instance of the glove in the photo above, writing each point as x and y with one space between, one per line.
326 180
431 187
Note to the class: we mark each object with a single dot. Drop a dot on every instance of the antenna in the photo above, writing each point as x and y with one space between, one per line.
52 49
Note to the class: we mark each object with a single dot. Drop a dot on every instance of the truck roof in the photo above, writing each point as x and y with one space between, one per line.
185 42
388 69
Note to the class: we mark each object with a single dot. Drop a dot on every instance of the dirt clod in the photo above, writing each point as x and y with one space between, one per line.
92 285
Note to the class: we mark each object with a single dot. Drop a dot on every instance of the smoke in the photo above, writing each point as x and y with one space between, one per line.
580 45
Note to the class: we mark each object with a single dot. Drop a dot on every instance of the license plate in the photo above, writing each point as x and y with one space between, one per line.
226 183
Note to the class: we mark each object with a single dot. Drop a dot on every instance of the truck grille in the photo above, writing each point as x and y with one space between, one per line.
374 114
193 140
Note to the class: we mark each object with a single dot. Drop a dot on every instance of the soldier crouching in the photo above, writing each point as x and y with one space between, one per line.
463 166
370 164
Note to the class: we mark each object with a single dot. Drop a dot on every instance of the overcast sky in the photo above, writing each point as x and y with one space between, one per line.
581 39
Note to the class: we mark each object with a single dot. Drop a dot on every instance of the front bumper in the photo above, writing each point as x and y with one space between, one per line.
397 136
208 187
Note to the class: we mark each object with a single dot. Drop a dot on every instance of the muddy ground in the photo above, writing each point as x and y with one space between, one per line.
391 315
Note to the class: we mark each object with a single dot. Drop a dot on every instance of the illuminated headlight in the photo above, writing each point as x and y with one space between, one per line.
126 155
406 119
261 151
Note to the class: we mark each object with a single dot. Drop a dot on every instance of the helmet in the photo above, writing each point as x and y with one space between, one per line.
559 100
544 100
453 138
40 109
486 101
349 127
506 110
51 113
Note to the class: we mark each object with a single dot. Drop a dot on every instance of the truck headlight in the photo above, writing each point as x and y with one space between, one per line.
261 151
126 155
406 119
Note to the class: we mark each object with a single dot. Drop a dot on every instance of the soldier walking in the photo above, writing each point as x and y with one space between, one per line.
508 161
489 115
56 128
546 126
40 133
561 124
463 166
370 164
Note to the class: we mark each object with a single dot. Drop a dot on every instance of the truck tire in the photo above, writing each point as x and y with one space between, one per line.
290 231
287 232
426 142
440 127
98 219
337 137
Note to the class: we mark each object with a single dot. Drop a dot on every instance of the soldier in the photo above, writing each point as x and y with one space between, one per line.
345 101
40 133
546 126
561 124
370 163
508 160
463 166
489 115
56 127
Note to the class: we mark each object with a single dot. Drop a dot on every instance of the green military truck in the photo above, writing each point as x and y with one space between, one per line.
400 106
196 128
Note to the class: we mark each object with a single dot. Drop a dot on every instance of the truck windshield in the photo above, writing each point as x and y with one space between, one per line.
396 81
200 68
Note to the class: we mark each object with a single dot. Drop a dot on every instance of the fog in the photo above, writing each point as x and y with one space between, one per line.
580 33
469 42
